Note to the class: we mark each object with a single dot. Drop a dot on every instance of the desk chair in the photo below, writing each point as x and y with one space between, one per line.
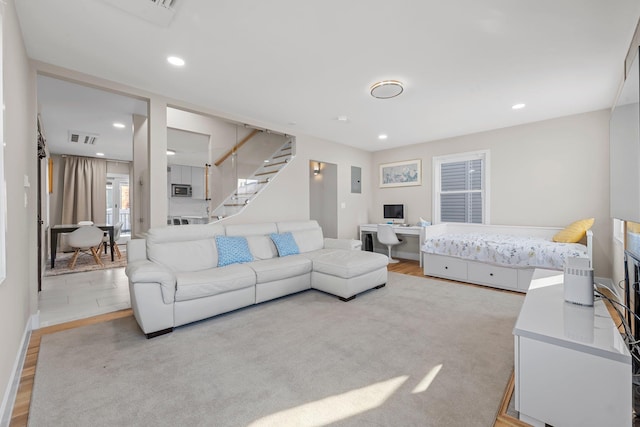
85 238
388 237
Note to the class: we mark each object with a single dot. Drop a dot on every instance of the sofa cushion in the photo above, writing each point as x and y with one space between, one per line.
262 247
185 256
314 254
232 250
309 240
269 270
198 284
348 264
184 248
307 234
285 243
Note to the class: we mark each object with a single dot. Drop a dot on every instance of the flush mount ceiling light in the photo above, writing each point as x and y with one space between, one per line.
171 152
386 89
518 106
174 60
119 125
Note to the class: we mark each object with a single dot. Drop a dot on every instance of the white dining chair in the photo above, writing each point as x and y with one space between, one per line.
117 229
85 239
388 237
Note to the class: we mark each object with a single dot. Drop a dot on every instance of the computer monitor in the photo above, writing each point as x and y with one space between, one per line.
394 213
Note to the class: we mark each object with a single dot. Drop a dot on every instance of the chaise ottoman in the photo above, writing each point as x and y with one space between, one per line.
347 273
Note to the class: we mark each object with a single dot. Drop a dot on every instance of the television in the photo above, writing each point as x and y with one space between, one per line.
393 213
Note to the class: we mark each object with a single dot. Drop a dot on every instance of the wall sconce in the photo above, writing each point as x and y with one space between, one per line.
316 169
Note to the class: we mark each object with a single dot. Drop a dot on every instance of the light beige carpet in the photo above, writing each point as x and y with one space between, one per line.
418 352
85 262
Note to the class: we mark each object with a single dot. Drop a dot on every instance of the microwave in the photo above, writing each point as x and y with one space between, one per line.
181 190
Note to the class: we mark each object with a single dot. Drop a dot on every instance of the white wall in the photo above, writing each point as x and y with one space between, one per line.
548 173
138 189
18 293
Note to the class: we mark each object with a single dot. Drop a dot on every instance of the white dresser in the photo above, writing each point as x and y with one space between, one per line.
572 367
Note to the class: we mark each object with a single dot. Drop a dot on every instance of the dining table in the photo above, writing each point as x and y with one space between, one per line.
68 228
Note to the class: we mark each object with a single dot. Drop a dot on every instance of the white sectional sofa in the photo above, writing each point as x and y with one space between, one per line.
175 277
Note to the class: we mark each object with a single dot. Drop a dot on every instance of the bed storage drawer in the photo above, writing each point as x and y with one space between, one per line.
492 275
441 266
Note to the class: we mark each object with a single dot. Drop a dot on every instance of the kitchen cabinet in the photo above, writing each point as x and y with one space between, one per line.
197 182
181 174
189 175
176 175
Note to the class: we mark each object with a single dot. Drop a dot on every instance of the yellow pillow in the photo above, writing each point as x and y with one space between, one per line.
574 232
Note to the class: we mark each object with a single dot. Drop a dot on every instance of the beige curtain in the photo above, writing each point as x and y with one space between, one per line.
84 196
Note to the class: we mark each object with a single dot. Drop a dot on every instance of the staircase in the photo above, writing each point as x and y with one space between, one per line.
249 188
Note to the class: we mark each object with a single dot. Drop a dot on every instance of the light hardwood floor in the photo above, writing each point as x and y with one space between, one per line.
20 413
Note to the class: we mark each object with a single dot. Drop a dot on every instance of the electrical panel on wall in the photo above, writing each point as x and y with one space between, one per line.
356 179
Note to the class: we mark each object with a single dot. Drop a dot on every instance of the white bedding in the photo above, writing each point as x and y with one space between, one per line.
502 249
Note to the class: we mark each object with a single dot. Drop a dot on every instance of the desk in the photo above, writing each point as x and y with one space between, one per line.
572 366
68 228
399 230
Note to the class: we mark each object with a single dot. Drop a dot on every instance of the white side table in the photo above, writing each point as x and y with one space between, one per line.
572 367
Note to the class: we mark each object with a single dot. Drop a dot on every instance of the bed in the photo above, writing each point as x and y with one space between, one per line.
500 256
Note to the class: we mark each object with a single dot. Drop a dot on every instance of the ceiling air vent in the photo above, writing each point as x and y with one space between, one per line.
159 12
164 3
82 137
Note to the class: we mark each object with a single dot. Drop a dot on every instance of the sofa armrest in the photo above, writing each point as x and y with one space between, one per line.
136 250
145 271
350 244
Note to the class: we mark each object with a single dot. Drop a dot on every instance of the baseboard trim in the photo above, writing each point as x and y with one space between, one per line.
11 392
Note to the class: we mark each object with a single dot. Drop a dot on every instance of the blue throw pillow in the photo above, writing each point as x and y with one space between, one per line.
232 250
285 243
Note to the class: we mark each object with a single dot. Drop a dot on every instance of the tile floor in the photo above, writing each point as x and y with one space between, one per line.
80 295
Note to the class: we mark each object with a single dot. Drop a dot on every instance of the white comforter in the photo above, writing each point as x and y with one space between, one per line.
514 251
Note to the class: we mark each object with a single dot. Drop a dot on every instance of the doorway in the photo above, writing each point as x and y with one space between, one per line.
323 196
85 122
118 203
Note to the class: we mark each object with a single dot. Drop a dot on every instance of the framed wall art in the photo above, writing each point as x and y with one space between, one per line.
401 174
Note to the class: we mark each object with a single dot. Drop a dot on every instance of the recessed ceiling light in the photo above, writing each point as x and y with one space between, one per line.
100 154
518 106
174 60
171 152
342 119
266 160
382 136
386 89
118 125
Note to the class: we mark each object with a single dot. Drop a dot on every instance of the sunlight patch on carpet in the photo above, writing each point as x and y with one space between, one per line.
427 380
336 408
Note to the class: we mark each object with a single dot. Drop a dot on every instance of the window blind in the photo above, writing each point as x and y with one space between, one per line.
461 191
